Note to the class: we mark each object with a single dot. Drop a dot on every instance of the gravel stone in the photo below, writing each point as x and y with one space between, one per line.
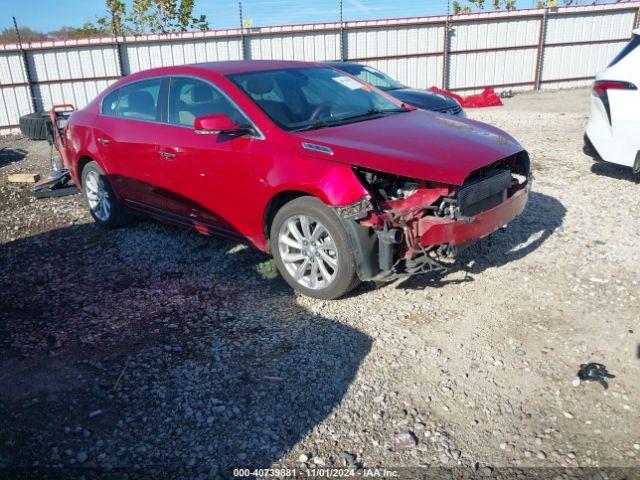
186 350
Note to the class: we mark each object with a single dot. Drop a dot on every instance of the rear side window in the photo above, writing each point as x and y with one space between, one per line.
630 47
110 104
138 101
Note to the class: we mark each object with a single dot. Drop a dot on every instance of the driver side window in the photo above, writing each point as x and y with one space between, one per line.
190 98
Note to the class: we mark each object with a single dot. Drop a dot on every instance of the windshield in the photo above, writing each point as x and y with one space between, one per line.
372 76
314 97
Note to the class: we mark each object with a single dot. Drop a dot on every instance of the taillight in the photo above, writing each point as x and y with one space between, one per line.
601 87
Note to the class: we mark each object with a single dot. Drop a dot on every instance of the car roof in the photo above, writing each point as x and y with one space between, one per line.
343 64
245 66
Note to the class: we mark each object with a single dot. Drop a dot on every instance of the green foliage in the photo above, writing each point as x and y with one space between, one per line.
479 5
150 16
86 30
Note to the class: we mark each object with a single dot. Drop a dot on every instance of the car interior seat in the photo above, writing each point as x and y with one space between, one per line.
140 105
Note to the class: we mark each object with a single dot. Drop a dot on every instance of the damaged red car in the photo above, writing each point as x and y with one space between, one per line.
338 181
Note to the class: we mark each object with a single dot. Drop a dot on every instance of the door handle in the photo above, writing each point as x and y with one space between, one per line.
167 154
104 141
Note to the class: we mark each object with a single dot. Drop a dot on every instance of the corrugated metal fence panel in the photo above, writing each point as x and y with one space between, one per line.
478 69
73 63
578 61
317 47
386 42
78 93
14 102
564 28
142 56
515 32
488 68
485 49
12 68
417 72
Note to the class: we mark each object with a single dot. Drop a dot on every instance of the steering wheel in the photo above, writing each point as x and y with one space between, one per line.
319 109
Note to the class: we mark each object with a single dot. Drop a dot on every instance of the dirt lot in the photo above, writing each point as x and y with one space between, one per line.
152 350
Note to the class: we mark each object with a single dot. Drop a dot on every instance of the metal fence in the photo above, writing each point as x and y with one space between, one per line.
519 50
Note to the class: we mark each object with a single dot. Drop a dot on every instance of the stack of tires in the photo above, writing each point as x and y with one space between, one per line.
35 126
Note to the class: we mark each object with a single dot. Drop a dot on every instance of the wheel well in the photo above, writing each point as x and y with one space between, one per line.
275 204
82 162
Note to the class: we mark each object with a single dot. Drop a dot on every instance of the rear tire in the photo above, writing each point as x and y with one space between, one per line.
312 249
35 126
104 206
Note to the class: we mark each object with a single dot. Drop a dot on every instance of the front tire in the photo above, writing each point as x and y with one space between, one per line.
104 206
312 250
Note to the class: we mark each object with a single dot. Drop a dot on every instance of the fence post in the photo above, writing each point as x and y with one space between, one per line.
343 54
119 57
27 69
243 44
445 54
541 41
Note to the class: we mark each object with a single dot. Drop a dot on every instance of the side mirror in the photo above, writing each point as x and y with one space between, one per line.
218 123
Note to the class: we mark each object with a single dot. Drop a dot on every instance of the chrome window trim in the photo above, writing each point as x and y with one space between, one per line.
258 136
159 77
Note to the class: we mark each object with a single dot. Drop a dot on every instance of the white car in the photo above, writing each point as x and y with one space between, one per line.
614 127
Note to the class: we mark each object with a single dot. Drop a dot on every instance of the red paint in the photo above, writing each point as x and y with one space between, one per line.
58 140
418 144
223 184
436 231
487 98
214 123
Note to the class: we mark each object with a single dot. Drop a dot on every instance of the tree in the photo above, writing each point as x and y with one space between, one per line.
150 16
86 30
8 35
480 5
115 21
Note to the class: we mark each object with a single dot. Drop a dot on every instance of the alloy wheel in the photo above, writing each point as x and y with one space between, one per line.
97 196
308 252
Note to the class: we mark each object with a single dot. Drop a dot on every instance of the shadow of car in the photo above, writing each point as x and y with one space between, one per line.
195 363
542 216
11 155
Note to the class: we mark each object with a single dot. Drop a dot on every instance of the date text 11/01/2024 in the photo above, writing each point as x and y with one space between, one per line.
315 473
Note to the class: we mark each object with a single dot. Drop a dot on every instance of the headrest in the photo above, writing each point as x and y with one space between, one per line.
260 85
201 93
141 102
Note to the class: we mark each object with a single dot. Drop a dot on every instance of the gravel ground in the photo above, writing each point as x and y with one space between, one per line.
154 351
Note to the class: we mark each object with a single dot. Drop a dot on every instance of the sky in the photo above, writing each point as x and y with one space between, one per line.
46 15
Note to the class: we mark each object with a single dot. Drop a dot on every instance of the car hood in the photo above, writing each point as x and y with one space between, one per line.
423 99
417 144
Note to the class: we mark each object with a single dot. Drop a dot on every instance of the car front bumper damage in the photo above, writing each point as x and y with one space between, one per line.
423 232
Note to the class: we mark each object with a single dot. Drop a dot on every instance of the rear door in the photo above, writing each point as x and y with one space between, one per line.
127 138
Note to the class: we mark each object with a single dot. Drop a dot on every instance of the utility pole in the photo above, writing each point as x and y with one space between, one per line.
27 70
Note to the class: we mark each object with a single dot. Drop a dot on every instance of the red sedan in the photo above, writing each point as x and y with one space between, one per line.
337 180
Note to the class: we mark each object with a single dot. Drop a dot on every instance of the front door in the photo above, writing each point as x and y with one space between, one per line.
209 175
